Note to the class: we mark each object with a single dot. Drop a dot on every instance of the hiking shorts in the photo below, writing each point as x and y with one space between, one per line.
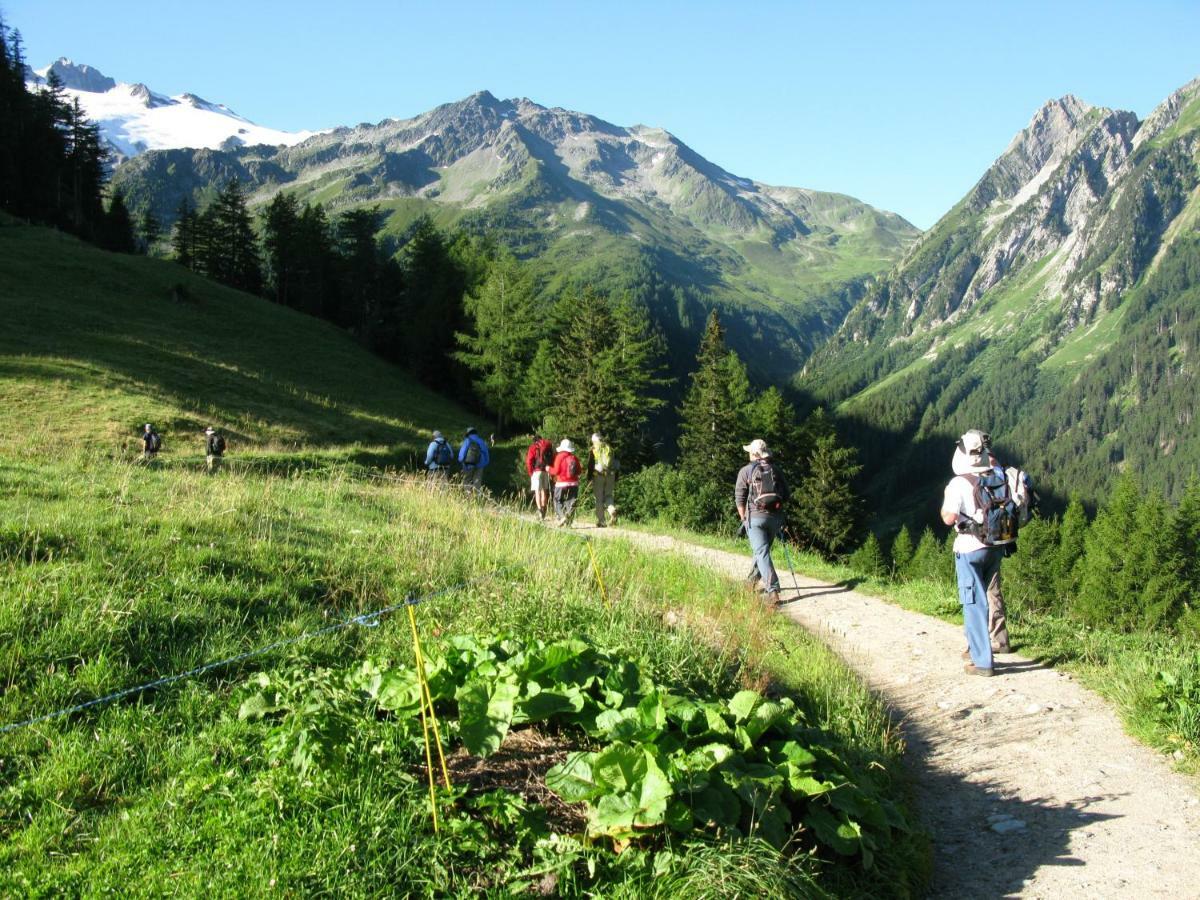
539 481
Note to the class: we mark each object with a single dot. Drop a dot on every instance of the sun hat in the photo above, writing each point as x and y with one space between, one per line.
209 430
972 453
566 446
471 430
596 438
757 448
438 436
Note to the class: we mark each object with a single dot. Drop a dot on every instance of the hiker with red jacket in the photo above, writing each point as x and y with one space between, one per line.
538 459
565 472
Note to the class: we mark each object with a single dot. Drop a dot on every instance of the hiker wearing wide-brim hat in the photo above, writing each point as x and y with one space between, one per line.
565 472
759 494
977 555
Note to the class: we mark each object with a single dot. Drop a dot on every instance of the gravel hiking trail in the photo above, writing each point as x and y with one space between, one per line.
1026 780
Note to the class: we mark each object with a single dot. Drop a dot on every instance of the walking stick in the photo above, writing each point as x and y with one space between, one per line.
791 565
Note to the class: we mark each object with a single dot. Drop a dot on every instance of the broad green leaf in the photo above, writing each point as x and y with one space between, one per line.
742 704
717 805
613 815
708 756
852 801
653 712
398 689
835 832
573 779
716 722
485 712
619 767
679 816
802 783
764 716
620 724
655 791
793 752
256 707
545 704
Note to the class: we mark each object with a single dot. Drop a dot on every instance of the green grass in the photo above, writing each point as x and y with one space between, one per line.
114 574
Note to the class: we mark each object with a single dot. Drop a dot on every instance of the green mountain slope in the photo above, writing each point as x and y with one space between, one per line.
1053 305
110 342
589 200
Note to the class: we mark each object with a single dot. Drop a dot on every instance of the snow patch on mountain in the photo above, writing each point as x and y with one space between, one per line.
133 118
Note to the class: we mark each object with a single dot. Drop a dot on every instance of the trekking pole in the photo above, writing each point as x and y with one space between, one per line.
791 565
596 569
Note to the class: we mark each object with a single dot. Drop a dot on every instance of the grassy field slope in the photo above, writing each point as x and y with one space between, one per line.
114 574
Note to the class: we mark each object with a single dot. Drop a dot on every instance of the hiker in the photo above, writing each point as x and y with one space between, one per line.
151 443
214 449
997 616
602 467
439 458
759 494
473 456
977 504
538 458
565 472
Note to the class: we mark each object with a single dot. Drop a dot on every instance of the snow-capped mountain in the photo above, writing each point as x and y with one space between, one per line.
133 118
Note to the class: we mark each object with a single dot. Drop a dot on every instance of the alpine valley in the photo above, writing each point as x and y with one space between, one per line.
1057 304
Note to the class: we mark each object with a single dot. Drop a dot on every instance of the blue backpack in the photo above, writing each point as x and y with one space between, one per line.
444 454
1000 515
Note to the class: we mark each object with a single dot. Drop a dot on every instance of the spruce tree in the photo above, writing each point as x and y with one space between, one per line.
902 552
1112 560
1068 564
150 230
827 510
117 229
868 559
281 246
183 237
713 424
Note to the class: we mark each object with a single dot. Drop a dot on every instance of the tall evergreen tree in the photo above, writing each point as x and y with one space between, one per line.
1113 560
506 327
149 231
281 246
828 510
902 552
1068 565
713 423
183 237
117 229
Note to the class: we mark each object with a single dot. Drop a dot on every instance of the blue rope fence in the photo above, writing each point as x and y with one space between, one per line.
367 620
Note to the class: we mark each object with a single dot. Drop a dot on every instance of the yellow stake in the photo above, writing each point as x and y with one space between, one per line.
428 754
426 695
596 569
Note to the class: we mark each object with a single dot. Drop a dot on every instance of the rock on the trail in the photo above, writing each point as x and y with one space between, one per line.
1002 823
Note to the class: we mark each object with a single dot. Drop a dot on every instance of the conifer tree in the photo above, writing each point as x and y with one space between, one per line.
773 419
117 230
902 552
183 238
1113 560
150 230
281 246
1067 567
930 561
868 559
506 327
827 508
713 423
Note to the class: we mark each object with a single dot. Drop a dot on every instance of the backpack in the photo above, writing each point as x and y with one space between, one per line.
218 444
572 467
473 454
995 500
1024 496
155 442
539 455
764 493
443 455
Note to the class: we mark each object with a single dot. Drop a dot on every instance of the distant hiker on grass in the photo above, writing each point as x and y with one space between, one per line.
759 495
214 448
602 470
151 444
538 459
977 503
565 472
473 456
439 458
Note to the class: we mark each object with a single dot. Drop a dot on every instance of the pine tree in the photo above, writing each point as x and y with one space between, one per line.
1068 563
150 230
281 246
902 552
506 327
1030 577
773 419
183 238
828 510
868 559
117 230
930 562
1112 560
713 424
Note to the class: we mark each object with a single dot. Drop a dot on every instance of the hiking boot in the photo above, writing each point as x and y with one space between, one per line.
972 669
1001 648
966 654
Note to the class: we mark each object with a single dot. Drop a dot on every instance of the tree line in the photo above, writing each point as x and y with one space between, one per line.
53 163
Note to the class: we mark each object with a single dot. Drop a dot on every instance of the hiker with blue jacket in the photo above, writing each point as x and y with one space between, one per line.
759 494
439 458
473 456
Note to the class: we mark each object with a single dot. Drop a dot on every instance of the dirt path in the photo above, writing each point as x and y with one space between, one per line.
1026 780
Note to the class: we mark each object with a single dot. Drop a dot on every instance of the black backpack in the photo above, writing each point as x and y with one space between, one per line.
155 442
218 444
1000 515
443 455
764 491
473 454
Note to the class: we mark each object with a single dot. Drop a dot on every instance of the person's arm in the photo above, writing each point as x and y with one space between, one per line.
741 489
429 453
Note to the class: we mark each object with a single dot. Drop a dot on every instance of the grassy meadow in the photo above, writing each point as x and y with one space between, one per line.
115 574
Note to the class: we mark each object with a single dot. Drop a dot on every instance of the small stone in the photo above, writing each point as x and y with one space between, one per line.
1177 755
944 704
1033 708
1008 826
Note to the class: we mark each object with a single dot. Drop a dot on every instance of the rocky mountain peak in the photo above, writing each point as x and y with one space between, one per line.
1167 113
79 77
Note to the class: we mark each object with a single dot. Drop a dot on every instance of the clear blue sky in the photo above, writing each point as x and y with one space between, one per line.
900 104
